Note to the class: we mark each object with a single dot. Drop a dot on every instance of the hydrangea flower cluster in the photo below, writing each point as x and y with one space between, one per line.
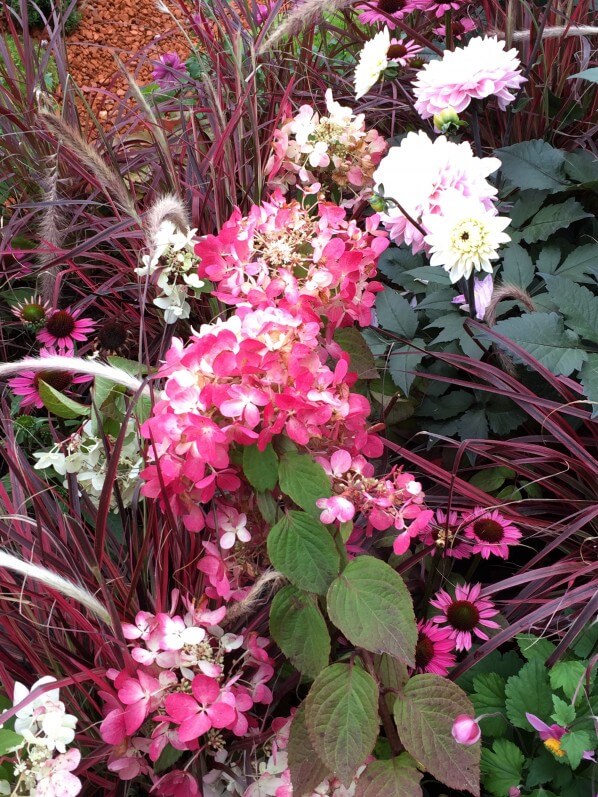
43 767
85 455
281 255
172 267
326 153
181 693
481 69
387 502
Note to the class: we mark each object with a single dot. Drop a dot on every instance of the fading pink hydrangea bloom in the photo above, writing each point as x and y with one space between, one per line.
480 69
57 776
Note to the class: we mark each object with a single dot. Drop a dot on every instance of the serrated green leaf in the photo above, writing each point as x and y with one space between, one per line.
552 218
548 260
430 274
581 166
534 647
303 550
260 467
576 303
503 415
533 164
473 425
575 744
506 664
59 404
502 767
371 605
395 261
528 203
394 777
581 262
452 404
424 715
543 335
307 769
403 361
341 712
362 360
542 769
489 698
517 266
303 480
564 713
392 675
568 675
453 329
299 630
395 314
529 691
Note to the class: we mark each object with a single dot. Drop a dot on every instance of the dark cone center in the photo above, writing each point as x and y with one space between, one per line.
463 615
60 324
488 530
112 335
396 51
59 380
390 6
424 651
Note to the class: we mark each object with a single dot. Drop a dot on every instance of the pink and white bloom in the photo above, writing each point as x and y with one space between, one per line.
57 779
480 69
466 730
491 533
466 615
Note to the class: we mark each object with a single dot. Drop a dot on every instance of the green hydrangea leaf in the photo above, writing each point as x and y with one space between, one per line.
260 467
300 631
303 480
395 777
307 769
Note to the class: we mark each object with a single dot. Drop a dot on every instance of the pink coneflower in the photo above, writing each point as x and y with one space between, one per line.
27 383
401 51
434 649
440 7
446 532
459 28
388 12
491 533
31 312
63 328
465 614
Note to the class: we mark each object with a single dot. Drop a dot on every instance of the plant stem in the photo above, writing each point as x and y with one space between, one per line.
387 721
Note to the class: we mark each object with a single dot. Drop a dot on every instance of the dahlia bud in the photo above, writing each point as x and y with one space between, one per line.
466 730
446 120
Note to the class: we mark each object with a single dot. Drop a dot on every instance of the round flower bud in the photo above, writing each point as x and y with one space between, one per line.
378 203
445 120
466 730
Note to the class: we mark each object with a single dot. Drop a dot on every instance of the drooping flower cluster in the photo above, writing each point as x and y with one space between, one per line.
172 267
388 502
87 454
326 153
181 693
43 766
422 178
483 68
281 255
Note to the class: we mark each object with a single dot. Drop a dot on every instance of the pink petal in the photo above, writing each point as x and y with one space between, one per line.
206 690
194 727
180 706
221 714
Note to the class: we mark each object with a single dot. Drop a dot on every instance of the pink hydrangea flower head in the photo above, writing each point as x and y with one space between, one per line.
434 649
466 730
57 776
386 12
491 533
177 784
480 69
466 615
420 174
63 328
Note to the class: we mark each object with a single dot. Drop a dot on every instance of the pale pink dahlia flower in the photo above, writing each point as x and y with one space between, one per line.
480 69
466 614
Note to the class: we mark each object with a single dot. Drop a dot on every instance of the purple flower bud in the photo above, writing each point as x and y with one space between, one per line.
466 730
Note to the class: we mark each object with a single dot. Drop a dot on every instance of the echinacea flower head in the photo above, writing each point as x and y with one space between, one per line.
32 312
491 533
373 60
446 532
466 614
388 12
440 7
401 51
419 174
115 337
65 327
27 383
466 238
480 69
434 649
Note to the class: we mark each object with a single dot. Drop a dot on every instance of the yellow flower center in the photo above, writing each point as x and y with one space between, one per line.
554 746
469 237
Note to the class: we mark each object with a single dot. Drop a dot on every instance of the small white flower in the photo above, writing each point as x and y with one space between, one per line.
51 459
24 716
373 60
465 238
